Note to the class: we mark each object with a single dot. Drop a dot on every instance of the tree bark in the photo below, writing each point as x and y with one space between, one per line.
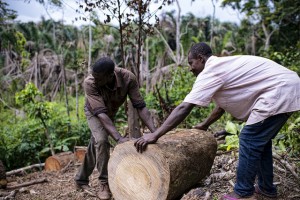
3 180
133 121
166 170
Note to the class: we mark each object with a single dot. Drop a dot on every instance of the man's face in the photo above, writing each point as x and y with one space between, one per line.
102 79
196 64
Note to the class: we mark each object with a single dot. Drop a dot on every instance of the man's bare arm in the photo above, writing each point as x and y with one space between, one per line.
174 119
110 127
145 116
213 117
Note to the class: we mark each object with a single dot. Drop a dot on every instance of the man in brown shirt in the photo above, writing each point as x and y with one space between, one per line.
106 89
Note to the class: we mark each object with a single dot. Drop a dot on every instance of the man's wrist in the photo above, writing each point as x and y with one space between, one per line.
118 138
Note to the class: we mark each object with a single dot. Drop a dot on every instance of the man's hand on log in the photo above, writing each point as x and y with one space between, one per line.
142 142
201 126
123 139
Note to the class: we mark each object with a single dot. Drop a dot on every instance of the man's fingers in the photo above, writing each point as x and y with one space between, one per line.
140 145
144 146
137 144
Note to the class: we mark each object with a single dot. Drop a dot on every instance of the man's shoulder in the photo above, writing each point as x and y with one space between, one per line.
124 73
89 80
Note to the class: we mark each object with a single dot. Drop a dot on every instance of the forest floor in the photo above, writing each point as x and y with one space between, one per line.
60 185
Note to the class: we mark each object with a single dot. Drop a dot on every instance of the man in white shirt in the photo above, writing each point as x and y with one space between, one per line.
250 88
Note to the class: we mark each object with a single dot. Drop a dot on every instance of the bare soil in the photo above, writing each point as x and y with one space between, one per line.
60 185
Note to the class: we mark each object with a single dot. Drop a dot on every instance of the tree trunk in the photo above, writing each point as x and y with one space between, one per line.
76 93
166 170
133 121
3 180
178 35
58 161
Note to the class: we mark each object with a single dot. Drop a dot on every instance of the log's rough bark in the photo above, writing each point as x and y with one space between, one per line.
58 161
166 170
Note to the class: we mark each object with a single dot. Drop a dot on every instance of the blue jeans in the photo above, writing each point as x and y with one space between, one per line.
255 155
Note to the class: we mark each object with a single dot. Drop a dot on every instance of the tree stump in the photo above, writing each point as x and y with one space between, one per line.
58 161
166 170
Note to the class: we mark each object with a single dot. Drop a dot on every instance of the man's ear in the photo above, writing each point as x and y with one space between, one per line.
201 58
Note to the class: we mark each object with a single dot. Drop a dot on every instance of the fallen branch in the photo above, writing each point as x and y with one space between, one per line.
63 170
294 196
219 176
286 164
90 193
27 183
16 171
11 195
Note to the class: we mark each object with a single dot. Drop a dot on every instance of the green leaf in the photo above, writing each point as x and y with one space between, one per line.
231 128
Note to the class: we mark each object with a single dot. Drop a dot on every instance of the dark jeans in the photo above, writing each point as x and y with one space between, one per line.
97 152
255 155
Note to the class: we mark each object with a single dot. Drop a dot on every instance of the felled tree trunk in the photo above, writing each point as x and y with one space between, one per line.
79 153
58 161
165 170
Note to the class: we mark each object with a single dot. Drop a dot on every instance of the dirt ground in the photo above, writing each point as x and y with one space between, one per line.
60 185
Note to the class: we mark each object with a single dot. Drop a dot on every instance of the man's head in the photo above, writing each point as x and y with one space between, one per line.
103 70
198 55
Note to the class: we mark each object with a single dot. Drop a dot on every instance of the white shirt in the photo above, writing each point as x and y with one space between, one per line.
250 88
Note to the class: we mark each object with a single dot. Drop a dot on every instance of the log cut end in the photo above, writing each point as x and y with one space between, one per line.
58 161
136 176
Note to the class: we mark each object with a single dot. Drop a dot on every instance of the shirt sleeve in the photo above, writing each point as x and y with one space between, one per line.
134 93
94 100
204 88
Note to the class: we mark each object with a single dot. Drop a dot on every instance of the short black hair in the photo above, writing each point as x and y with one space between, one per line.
104 65
202 49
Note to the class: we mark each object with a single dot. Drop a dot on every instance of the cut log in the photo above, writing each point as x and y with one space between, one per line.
166 170
79 152
58 161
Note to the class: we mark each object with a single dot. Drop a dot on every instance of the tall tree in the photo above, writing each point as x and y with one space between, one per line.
267 15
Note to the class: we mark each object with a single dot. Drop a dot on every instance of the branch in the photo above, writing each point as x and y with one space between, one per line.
28 183
287 165
4 103
16 171
167 45
10 195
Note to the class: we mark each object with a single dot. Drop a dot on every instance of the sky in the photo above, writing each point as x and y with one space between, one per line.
30 10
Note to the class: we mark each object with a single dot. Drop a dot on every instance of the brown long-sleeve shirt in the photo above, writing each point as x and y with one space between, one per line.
106 100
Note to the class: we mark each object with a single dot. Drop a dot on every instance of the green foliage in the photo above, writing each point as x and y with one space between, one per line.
22 139
29 99
5 13
288 140
232 140
173 90
288 58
